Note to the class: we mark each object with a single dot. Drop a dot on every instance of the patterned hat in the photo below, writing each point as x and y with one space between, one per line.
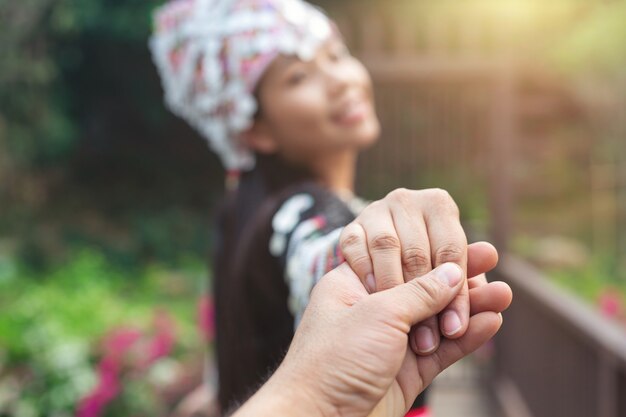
211 53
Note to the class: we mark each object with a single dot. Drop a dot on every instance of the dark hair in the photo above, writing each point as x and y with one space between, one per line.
270 175
239 246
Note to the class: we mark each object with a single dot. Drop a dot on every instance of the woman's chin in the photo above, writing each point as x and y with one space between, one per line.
368 134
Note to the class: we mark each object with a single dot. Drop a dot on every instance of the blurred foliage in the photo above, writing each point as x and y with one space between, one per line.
596 278
51 324
87 150
592 280
596 46
41 49
599 283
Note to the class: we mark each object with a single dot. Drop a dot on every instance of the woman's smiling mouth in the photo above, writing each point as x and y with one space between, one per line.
352 112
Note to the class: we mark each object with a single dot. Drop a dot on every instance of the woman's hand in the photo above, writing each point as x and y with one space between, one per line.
349 356
404 236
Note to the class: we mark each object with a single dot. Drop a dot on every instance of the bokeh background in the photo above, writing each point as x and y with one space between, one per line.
517 107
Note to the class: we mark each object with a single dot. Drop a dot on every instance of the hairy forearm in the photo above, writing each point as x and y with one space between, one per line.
284 395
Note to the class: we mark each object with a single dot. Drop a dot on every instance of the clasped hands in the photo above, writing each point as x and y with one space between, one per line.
411 299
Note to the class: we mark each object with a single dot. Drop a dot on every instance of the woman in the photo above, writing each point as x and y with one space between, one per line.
272 87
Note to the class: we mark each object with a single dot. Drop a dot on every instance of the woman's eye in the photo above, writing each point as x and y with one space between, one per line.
339 53
296 78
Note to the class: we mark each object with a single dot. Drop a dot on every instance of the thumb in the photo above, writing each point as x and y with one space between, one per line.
425 296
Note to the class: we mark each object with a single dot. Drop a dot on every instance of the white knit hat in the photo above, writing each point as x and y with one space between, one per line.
211 53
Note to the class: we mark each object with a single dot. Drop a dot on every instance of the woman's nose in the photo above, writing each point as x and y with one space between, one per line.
337 79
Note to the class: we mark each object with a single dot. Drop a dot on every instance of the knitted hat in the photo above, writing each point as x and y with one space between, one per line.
211 54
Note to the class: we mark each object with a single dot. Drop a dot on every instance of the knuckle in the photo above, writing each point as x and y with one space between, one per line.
444 200
400 194
349 238
385 242
385 282
360 263
415 260
404 197
440 194
427 292
449 253
374 206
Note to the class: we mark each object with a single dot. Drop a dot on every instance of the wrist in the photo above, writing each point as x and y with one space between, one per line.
287 394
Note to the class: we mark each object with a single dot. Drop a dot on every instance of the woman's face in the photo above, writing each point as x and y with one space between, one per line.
313 109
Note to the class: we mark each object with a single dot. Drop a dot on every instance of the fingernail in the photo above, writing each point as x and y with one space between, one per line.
449 273
370 283
451 323
424 339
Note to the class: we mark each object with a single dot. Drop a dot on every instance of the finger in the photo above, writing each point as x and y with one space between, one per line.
353 244
449 244
383 245
492 298
495 296
482 327
477 281
424 338
338 288
447 237
421 298
414 244
454 320
481 257
415 258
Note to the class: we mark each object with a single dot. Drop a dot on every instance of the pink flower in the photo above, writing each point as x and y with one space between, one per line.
119 341
163 342
610 303
115 345
107 389
125 346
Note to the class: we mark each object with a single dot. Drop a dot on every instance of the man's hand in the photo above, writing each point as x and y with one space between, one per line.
349 354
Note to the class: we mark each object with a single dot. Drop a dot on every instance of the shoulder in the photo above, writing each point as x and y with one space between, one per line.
308 200
309 207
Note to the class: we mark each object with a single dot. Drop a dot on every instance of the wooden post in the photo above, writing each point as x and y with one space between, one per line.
620 186
607 387
436 37
372 36
604 203
404 37
503 136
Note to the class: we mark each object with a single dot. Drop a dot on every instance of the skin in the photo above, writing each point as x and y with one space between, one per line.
349 357
405 236
317 114
320 114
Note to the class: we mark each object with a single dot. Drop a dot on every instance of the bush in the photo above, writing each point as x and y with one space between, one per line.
55 328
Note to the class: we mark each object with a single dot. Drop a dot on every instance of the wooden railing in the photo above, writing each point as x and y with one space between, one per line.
556 356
